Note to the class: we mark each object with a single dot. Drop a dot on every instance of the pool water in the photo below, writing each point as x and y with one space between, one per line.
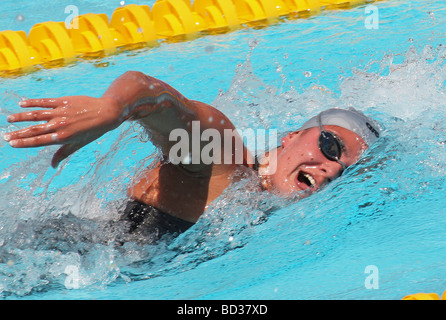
386 213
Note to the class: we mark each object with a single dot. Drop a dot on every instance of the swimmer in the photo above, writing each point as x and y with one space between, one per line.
171 197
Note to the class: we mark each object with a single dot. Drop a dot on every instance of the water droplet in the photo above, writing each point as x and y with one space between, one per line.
122 3
253 43
431 14
209 49
20 18
307 74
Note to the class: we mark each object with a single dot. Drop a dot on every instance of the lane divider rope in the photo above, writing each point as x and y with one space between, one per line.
53 44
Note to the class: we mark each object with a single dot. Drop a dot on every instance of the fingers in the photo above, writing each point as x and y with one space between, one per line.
64 152
43 103
50 133
34 141
36 132
38 115
30 132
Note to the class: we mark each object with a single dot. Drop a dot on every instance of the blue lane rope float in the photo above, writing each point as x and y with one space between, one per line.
96 35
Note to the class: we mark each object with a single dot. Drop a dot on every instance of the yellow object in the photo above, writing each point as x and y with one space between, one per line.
15 53
132 24
51 41
256 10
303 6
217 14
333 4
282 9
173 18
92 34
422 296
425 296
200 24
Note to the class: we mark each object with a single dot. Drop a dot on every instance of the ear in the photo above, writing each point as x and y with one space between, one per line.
288 138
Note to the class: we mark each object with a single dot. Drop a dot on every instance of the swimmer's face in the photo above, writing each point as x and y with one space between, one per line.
300 166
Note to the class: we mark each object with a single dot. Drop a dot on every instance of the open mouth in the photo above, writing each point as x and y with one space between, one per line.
306 179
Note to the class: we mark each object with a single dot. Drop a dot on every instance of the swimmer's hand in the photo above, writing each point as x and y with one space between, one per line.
72 122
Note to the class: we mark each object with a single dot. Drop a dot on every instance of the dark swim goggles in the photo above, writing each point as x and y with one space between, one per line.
330 145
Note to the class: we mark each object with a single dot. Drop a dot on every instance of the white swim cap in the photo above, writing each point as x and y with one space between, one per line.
350 119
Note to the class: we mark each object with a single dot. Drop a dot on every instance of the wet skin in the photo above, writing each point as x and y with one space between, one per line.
301 166
183 191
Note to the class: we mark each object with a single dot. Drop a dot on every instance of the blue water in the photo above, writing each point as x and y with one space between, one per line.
387 211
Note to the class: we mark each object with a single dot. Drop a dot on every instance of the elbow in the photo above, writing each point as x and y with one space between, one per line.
133 75
136 78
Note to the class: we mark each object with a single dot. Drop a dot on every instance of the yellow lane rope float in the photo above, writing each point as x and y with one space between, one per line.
425 296
96 35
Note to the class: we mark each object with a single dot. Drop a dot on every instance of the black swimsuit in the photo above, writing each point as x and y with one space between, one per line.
150 223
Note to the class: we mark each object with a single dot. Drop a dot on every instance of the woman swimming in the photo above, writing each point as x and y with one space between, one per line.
178 191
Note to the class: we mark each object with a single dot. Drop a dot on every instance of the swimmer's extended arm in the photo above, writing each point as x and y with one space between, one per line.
161 109
75 121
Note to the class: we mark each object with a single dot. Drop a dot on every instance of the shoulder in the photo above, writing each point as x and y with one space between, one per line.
211 117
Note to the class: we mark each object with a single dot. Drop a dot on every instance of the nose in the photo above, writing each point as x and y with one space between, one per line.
331 170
